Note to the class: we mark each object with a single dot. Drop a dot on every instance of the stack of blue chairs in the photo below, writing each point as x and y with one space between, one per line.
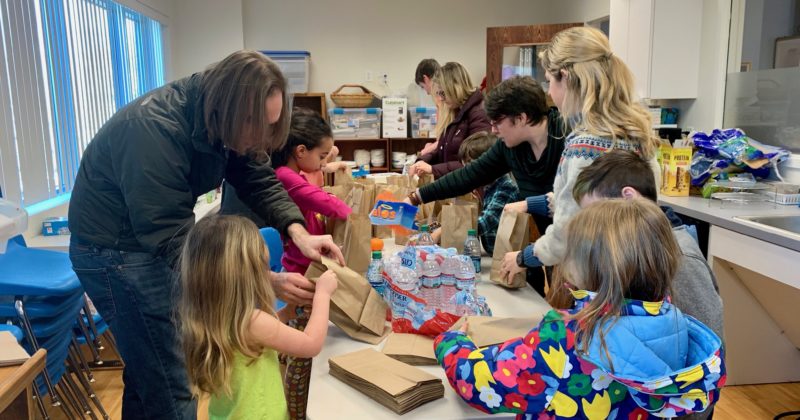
40 293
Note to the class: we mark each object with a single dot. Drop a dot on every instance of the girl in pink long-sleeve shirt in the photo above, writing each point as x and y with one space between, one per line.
310 140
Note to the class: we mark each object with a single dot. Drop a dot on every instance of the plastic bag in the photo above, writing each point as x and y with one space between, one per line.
730 150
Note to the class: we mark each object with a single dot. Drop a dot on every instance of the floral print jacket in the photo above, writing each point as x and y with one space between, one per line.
665 363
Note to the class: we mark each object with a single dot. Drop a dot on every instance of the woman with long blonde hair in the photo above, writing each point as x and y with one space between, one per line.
594 91
460 116
621 349
230 332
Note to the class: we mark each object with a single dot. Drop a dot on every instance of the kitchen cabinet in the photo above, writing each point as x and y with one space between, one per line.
659 40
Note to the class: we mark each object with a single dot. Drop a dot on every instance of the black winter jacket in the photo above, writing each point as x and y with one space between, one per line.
142 173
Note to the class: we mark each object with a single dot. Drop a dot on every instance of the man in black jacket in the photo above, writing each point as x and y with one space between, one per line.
132 206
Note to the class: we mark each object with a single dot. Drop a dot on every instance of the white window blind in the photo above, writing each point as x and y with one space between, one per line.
66 67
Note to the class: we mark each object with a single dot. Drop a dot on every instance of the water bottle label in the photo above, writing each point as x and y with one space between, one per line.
448 280
464 283
476 261
430 282
409 257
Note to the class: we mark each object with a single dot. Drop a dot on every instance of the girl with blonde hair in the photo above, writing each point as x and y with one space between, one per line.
230 330
460 116
594 91
620 350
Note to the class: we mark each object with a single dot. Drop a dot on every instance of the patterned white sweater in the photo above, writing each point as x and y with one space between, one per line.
580 150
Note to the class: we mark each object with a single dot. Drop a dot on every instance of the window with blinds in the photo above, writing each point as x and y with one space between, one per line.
65 67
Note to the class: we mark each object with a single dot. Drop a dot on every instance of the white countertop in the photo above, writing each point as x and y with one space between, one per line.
330 398
723 214
61 242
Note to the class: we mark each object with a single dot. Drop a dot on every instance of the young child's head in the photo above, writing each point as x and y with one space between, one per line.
595 88
224 278
615 174
310 140
475 145
620 249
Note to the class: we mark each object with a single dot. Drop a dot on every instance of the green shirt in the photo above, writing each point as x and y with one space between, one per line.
257 390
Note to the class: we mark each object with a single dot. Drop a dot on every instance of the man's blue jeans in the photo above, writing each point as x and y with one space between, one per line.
136 294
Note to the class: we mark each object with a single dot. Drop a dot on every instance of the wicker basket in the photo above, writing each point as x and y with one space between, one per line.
352 100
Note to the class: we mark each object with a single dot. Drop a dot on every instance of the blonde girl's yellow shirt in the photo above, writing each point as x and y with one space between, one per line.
257 391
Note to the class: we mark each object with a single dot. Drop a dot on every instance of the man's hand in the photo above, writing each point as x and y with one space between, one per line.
517 207
314 246
509 267
293 288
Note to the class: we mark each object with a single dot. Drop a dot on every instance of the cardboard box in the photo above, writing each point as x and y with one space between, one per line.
53 226
395 118
675 162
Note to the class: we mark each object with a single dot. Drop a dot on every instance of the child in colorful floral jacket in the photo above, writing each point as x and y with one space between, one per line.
622 351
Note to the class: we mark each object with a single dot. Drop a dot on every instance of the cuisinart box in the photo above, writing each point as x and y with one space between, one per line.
395 117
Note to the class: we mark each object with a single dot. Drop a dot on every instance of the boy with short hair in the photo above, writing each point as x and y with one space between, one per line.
624 174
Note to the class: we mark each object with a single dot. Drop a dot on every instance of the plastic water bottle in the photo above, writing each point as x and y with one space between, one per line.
450 266
465 276
431 281
375 273
406 281
390 267
472 249
424 238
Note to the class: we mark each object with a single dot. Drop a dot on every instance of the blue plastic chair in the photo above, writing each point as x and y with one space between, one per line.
275 246
41 292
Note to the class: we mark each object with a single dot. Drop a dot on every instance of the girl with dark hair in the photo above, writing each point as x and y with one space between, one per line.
309 143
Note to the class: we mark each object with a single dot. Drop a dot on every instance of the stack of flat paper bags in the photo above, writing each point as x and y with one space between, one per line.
396 385
413 349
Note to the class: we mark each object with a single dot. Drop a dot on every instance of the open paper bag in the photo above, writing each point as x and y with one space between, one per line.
486 330
357 309
456 219
513 233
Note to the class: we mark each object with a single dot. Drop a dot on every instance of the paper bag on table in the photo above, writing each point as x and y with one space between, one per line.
356 308
356 244
396 385
413 349
513 232
456 219
343 177
486 330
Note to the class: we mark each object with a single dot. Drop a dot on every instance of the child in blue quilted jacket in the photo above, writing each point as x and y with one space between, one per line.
621 350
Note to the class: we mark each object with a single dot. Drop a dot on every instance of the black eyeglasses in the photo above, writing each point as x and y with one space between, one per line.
495 123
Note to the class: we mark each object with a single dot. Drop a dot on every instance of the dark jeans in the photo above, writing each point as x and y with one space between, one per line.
135 294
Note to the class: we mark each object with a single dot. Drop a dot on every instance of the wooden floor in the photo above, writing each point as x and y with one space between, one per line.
749 402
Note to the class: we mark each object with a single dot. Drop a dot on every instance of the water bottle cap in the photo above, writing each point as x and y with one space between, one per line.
376 255
471 232
424 228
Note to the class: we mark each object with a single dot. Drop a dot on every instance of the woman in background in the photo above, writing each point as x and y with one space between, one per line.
460 116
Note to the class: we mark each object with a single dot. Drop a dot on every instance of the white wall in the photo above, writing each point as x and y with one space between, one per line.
579 10
778 22
705 112
203 32
347 38
751 36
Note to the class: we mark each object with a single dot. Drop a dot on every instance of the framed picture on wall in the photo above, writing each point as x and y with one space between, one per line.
787 52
